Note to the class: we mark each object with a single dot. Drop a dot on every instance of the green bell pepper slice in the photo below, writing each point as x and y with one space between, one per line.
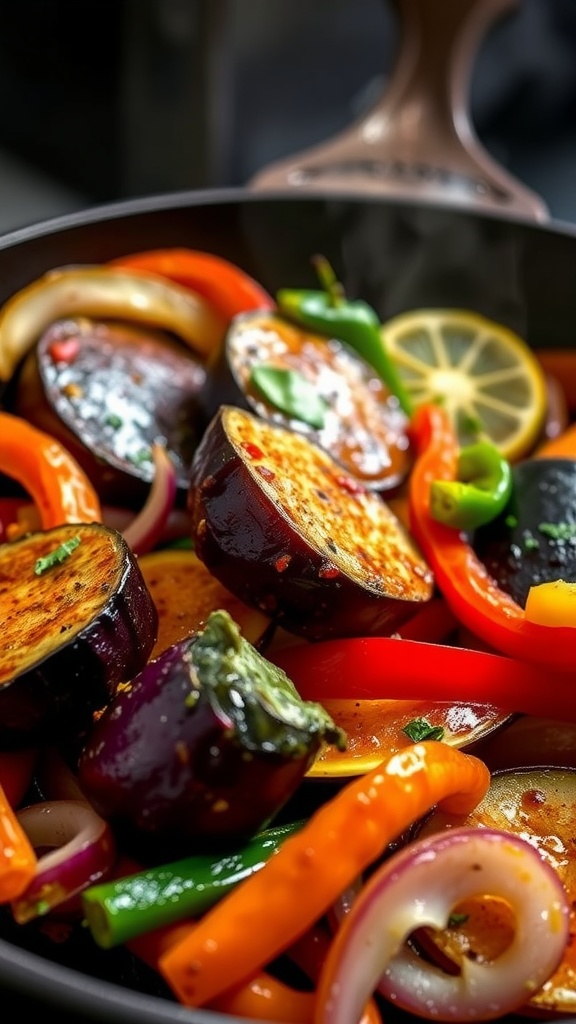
354 322
479 494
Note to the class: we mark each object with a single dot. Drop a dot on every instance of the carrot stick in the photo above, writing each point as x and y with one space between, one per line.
266 998
266 913
17 856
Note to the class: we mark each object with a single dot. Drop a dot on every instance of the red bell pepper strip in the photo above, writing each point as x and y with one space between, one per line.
376 668
228 288
472 594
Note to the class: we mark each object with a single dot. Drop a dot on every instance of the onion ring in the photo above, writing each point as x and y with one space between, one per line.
418 886
84 853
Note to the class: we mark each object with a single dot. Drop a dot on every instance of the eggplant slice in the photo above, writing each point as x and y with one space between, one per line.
77 620
108 391
362 425
204 746
534 540
287 530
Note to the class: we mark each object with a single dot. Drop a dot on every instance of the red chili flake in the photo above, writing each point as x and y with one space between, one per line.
347 483
73 390
252 450
64 350
282 563
266 473
328 571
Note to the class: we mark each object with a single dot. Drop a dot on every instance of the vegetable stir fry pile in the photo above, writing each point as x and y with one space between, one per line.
288 606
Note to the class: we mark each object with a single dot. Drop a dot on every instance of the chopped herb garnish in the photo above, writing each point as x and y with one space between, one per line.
511 521
137 458
420 729
530 542
471 424
60 554
113 420
456 919
558 531
291 393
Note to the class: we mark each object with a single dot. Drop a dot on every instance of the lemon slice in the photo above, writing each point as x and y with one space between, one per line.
486 377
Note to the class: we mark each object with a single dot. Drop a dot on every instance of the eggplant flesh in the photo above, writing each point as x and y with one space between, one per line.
108 392
71 632
364 428
534 539
288 531
204 746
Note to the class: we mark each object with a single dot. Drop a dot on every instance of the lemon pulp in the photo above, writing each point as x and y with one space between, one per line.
484 374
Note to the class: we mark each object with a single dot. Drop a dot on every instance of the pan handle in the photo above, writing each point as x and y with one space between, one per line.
417 141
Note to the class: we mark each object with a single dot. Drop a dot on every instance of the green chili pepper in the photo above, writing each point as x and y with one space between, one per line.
480 493
353 322
122 909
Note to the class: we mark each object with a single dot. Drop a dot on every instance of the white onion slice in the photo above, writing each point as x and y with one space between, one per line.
82 851
102 291
419 886
147 527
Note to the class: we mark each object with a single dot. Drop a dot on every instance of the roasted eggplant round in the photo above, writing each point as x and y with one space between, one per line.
289 531
77 620
534 540
318 386
108 392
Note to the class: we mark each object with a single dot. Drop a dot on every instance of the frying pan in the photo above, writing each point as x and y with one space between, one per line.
411 212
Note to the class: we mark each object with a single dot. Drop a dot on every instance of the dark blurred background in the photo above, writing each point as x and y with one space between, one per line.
107 99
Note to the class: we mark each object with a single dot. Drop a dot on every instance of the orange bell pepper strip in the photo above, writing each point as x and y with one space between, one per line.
561 447
228 288
17 855
473 595
264 915
58 486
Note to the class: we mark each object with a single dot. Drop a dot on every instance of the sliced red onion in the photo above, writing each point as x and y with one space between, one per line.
82 852
147 527
419 886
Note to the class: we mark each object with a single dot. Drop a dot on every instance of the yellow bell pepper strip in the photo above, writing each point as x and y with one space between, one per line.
58 486
227 287
105 292
552 603
480 493
352 321
264 916
473 595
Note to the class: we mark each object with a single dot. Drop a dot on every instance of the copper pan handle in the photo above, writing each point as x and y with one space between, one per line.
417 141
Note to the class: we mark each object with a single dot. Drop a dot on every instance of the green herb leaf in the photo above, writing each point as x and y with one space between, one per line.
558 531
420 729
60 554
456 919
290 392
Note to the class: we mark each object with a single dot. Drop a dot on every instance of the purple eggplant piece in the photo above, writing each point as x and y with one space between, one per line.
205 746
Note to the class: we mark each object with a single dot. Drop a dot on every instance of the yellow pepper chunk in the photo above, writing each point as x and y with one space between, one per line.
552 604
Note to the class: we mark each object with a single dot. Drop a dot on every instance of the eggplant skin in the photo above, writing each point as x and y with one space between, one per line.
283 527
171 762
127 386
534 539
71 634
